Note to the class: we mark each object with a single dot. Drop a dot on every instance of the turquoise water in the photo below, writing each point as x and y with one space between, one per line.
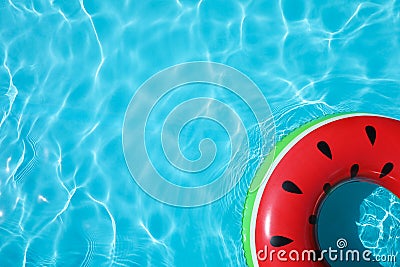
379 223
70 68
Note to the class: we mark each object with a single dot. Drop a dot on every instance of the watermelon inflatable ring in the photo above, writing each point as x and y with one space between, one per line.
280 216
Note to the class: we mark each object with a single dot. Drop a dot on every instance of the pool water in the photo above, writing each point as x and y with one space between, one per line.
379 223
70 68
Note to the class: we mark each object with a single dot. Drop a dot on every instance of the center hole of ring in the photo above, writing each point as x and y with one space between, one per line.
338 216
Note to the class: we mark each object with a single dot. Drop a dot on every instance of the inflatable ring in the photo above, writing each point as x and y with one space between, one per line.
280 216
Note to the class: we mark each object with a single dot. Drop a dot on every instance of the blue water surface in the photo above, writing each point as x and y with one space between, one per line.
68 70
379 226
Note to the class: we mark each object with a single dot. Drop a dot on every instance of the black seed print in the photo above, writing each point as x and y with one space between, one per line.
325 149
387 168
371 132
327 188
280 241
354 170
291 187
312 219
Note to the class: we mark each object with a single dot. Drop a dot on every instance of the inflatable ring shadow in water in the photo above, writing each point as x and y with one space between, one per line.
282 213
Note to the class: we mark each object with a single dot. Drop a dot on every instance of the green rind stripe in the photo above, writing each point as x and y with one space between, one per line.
259 176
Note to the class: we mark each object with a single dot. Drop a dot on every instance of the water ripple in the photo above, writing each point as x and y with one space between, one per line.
69 68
